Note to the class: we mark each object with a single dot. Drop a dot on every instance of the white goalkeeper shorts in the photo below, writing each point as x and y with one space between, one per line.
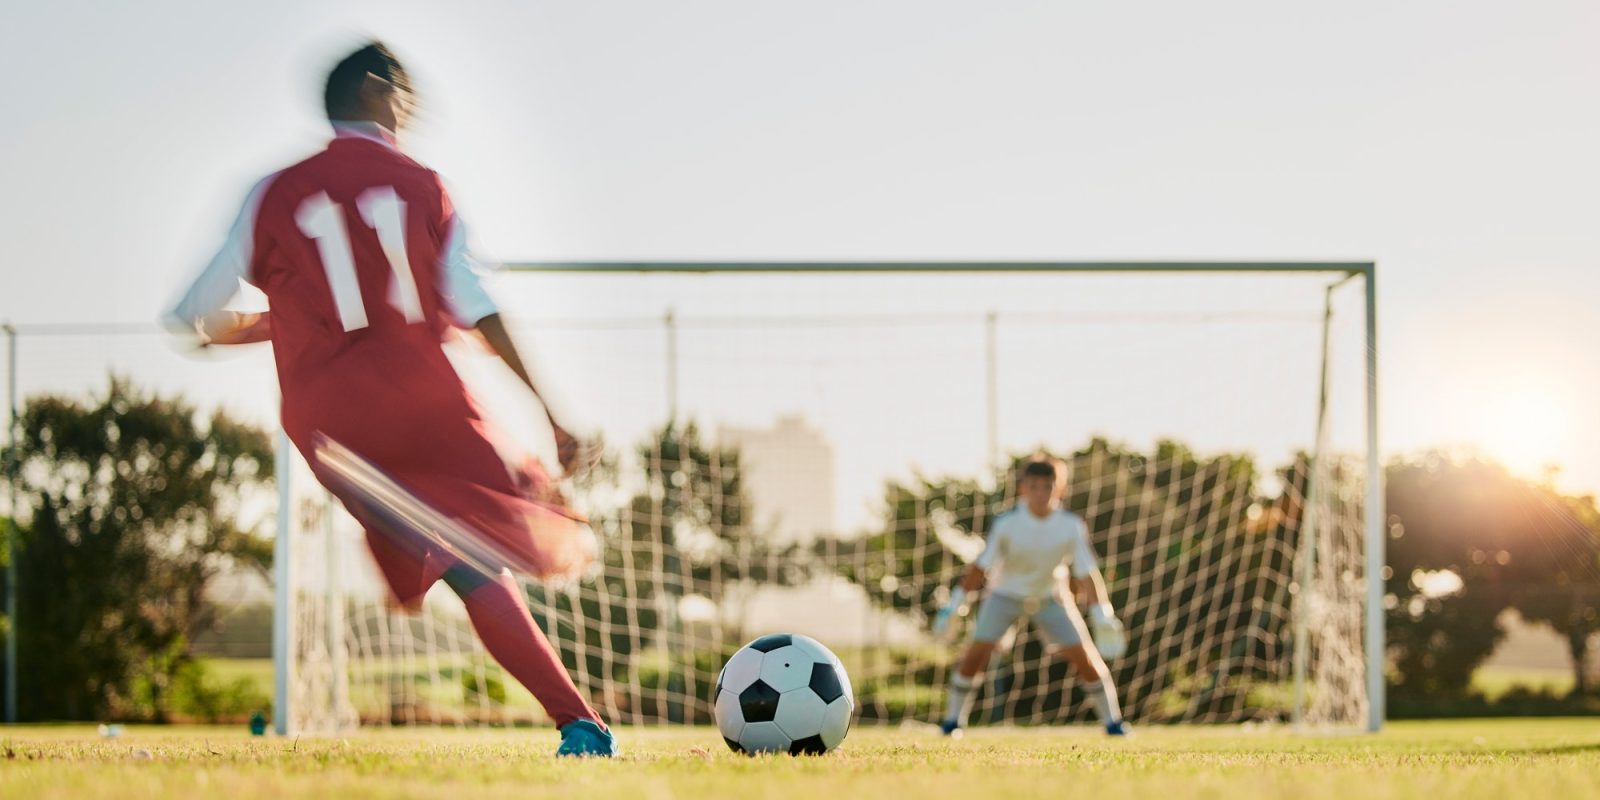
1061 625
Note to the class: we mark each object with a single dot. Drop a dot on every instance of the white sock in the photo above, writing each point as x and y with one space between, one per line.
1104 697
960 698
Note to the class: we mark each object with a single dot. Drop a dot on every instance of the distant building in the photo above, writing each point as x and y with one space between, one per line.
789 474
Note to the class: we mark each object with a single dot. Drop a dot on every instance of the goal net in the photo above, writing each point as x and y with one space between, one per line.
822 452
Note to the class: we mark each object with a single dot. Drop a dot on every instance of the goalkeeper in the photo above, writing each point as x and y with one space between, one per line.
1023 562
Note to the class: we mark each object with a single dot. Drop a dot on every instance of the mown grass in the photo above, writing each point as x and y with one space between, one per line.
1433 760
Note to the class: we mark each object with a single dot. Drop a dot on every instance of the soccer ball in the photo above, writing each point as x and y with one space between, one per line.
784 693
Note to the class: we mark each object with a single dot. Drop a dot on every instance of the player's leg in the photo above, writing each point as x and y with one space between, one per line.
1096 681
482 492
996 614
502 620
411 565
963 680
450 465
1063 626
409 573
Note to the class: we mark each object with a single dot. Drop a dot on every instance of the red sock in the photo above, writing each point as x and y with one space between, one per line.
503 622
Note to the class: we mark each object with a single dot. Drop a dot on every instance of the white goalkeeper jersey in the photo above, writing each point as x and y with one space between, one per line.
1026 556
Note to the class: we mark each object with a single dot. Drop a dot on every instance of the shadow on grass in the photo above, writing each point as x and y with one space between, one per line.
1563 750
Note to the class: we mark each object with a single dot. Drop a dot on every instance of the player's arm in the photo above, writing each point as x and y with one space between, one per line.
236 327
1087 583
972 581
1109 635
1090 589
977 573
493 330
200 311
469 305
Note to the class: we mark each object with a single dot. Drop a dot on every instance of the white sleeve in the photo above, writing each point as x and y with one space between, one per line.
993 547
1084 562
461 281
219 281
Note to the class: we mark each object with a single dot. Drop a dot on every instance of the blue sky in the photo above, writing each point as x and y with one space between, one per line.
1452 142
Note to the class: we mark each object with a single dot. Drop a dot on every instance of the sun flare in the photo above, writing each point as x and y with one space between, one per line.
1523 429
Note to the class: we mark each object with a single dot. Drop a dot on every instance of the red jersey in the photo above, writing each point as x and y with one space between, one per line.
362 259
364 264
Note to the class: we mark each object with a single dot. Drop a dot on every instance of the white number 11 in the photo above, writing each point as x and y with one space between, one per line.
322 220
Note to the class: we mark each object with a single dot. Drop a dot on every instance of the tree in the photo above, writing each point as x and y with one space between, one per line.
132 506
695 505
1557 566
1464 545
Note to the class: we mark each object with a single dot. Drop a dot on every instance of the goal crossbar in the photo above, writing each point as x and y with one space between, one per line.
1366 268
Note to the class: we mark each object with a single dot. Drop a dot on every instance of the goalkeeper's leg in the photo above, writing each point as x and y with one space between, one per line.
996 615
963 680
1096 682
1064 626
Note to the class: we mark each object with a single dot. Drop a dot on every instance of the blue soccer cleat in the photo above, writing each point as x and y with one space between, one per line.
1118 728
950 728
583 739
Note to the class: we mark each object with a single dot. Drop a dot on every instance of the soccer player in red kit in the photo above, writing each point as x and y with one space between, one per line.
365 267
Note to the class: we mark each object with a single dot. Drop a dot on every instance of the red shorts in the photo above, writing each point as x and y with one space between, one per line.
439 448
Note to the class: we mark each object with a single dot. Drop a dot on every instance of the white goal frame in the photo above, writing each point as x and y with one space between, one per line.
1373 520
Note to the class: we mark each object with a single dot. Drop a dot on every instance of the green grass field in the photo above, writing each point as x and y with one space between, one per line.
1501 758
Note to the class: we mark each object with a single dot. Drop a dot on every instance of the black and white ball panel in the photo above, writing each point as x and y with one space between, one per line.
788 668
809 746
741 670
822 653
771 642
800 713
730 718
759 702
764 737
825 682
836 721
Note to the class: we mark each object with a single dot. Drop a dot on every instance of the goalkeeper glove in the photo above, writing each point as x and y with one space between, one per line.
956 605
1109 636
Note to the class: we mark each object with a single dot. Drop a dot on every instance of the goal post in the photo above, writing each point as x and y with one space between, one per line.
1253 563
